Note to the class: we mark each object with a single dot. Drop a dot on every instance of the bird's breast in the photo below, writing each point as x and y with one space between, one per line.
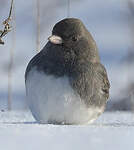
52 100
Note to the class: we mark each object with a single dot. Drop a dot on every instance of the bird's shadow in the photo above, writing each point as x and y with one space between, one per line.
114 124
27 122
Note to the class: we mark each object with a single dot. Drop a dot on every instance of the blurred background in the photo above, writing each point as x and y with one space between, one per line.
110 22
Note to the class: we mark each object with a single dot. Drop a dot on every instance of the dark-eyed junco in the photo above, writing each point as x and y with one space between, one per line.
65 82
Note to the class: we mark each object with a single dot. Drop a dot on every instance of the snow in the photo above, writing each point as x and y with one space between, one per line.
19 131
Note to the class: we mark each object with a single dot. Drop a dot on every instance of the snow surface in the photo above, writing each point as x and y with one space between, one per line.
112 131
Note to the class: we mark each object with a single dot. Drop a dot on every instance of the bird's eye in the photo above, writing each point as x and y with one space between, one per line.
74 38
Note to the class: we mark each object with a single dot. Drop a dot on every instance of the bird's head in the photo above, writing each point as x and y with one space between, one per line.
67 32
71 33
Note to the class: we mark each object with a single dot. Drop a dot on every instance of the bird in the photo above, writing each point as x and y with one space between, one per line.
66 83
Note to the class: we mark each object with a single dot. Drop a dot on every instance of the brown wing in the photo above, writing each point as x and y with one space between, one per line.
92 84
102 78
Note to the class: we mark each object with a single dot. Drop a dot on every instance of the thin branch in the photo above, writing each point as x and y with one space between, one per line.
11 8
38 26
11 62
68 8
7 27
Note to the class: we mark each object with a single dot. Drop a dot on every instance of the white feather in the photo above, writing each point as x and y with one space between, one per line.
52 100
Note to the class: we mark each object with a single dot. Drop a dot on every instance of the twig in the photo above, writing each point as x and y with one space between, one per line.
68 8
38 26
11 64
7 27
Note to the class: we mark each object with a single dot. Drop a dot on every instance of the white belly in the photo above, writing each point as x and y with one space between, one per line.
52 100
